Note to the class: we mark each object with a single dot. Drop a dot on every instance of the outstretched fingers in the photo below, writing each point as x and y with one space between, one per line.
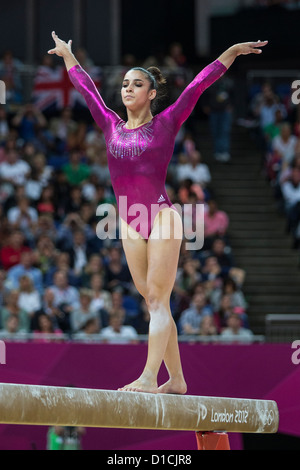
60 45
257 44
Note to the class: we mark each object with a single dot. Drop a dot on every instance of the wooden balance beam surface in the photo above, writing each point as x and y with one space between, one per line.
43 405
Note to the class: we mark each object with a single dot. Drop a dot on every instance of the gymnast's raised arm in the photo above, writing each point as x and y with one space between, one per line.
83 83
244 48
179 111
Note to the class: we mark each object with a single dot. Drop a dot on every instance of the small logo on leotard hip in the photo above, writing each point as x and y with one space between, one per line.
161 199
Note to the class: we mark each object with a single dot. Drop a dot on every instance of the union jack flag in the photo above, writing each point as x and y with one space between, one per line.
52 87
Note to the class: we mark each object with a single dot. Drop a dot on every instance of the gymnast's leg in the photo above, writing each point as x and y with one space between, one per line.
153 266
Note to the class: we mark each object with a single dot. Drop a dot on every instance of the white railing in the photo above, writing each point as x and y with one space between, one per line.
98 338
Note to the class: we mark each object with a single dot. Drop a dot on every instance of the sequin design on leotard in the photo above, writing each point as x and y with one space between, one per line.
123 144
138 159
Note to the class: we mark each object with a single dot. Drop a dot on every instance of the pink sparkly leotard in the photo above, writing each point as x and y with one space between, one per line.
138 158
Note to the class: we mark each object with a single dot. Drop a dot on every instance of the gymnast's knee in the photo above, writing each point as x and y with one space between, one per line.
155 299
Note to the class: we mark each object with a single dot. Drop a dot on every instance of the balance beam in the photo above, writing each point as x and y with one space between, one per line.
59 406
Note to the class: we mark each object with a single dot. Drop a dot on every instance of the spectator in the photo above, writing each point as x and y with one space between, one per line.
208 326
126 303
45 254
94 143
99 167
11 307
61 195
46 201
76 172
224 311
90 327
29 121
237 298
259 99
219 109
46 328
14 198
79 252
117 332
10 254
62 263
45 232
24 217
48 308
66 230
191 318
29 299
285 175
194 169
62 128
284 145
102 299
187 276
235 330
291 195
216 223
268 109
66 299
25 267
11 327
42 171
14 170
32 188
93 266
222 253
117 304
81 315
212 271
65 438
76 199
117 272
273 129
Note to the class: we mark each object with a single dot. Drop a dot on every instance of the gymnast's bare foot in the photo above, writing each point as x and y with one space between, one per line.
175 386
141 385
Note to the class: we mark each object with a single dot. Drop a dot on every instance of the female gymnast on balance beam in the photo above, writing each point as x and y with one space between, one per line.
138 153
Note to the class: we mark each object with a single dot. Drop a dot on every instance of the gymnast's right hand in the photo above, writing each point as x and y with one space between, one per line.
61 48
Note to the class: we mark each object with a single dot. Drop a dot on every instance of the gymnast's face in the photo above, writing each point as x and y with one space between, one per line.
136 93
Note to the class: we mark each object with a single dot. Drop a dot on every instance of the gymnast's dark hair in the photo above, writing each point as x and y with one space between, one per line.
157 82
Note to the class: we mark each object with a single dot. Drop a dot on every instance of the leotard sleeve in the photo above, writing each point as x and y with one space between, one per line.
179 111
85 85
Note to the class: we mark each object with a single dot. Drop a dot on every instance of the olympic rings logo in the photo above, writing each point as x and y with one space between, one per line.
268 418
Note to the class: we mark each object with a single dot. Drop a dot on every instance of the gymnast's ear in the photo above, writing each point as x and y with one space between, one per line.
152 94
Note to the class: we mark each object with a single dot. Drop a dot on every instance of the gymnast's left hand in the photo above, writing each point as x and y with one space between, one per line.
245 48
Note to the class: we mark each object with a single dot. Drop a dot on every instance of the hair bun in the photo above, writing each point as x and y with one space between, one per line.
160 79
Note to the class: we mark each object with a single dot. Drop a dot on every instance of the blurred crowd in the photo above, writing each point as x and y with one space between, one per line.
57 278
276 114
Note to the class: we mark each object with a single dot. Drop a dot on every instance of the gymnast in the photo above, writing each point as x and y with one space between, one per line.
139 151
